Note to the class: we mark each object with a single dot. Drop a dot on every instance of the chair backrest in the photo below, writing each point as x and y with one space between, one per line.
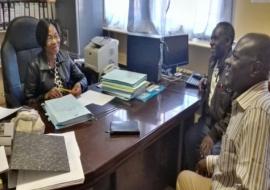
18 49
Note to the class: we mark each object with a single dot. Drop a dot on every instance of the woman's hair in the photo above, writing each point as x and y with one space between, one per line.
43 29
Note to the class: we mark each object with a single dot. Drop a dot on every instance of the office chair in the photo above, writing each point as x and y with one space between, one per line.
18 49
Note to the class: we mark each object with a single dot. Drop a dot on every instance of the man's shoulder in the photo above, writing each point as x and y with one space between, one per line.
262 102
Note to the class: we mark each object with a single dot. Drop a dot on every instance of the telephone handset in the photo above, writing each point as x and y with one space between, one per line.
28 121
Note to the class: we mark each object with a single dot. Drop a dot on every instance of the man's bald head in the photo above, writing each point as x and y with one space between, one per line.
249 62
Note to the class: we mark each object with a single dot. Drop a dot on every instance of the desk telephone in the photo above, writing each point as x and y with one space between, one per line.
191 78
194 80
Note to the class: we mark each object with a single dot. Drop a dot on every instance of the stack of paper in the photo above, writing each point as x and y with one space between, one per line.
124 77
66 111
124 84
29 180
4 112
6 136
93 97
3 160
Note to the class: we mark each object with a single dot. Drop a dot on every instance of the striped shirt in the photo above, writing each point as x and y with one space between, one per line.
244 160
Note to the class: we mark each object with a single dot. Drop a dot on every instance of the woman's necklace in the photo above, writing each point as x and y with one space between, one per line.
51 65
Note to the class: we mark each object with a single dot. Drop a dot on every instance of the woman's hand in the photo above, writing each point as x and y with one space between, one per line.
53 93
77 89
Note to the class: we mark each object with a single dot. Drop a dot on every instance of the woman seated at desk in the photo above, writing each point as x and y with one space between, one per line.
52 73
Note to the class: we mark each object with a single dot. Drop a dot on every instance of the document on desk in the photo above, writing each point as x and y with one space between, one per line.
66 111
3 160
4 112
52 180
93 97
124 77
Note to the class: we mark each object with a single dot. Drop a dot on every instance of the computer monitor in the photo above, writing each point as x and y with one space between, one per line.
143 54
175 52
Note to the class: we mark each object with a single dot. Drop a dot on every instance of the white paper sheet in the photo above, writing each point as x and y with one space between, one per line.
4 112
3 160
93 97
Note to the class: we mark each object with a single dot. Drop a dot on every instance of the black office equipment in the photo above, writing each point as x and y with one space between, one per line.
124 128
175 52
143 53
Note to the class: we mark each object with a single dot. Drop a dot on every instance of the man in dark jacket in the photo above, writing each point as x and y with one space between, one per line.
204 138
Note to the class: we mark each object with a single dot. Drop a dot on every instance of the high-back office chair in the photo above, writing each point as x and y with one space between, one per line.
18 49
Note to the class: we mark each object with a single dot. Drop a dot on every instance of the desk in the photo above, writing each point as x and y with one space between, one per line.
149 161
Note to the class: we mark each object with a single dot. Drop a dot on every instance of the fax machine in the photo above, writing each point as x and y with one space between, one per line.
101 52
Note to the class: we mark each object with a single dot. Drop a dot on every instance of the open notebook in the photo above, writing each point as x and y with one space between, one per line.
66 111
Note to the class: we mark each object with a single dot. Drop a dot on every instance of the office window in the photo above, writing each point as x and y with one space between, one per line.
195 17
116 13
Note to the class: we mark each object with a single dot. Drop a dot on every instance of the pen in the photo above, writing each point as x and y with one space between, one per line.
64 90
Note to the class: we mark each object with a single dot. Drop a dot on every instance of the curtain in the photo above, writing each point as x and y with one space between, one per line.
163 17
116 14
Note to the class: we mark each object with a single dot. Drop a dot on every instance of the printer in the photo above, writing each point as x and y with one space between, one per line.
100 53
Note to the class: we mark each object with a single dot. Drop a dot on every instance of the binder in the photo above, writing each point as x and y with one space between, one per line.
66 111
124 77
124 88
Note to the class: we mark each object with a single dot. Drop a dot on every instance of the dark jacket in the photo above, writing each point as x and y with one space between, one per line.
217 116
40 78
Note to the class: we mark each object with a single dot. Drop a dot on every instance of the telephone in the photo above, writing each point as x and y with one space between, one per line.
191 78
28 121
194 79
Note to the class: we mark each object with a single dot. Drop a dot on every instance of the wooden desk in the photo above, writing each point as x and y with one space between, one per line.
149 161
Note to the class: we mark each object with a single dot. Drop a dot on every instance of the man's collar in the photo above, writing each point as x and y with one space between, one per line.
246 98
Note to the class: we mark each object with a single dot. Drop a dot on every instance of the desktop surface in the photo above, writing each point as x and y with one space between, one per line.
103 155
